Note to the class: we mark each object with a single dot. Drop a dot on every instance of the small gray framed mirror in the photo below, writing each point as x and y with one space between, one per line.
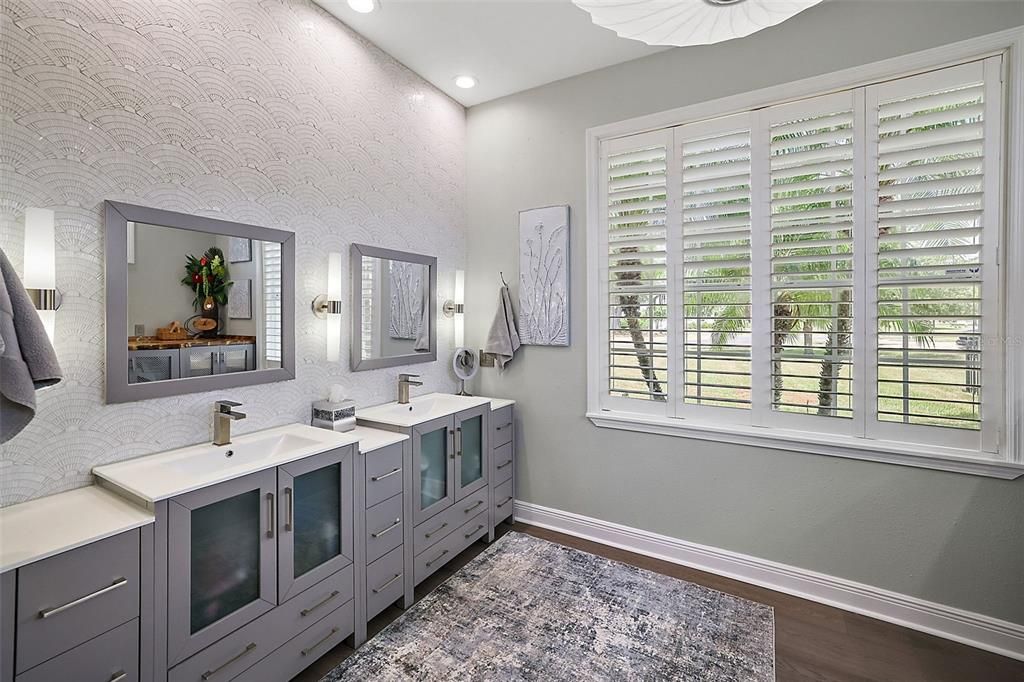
394 308
195 304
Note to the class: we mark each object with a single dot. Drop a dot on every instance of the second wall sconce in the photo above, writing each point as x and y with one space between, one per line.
40 266
454 307
328 306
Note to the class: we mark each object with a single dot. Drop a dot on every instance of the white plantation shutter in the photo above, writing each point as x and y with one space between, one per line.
635 186
272 301
812 326
716 294
934 186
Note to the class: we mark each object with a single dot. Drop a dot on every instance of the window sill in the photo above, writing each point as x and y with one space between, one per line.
906 454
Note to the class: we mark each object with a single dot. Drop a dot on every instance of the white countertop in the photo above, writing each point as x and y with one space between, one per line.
423 408
371 439
158 477
498 403
41 528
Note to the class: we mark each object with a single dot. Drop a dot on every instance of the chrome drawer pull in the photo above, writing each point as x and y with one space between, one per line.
503 426
396 524
46 613
503 464
118 676
305 652
473 506
383 476
502 504
378 590
436 558
210 673
271 516
436 530
314 607
470 533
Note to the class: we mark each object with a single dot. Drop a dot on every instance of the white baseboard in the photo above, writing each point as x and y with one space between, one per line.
974 629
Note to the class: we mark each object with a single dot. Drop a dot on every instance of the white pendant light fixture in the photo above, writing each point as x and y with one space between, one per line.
690 22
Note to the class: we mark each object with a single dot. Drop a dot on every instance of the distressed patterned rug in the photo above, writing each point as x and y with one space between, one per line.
528 609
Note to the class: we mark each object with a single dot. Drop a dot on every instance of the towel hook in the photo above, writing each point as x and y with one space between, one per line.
502 275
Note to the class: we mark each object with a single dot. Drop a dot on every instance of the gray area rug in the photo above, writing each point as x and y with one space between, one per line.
528 609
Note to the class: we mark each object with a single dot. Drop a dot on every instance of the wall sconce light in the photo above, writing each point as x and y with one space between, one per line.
41 266
454 307
328 306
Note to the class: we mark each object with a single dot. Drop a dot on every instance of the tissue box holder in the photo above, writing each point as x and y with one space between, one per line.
339 416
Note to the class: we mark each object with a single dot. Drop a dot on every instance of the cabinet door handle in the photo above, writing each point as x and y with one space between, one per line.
473 506
436 530
305 652
46 613
436 558
314 607
290 509
210 673
383 476
396 524
503 464
118 676
502 504
451 452
271 516
378 590
470 533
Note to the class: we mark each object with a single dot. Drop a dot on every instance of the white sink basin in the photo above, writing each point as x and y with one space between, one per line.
419 409
242 453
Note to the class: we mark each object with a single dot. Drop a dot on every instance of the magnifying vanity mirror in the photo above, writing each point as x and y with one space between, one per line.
394 305
195 304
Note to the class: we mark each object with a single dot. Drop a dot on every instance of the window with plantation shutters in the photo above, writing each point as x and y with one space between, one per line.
822 273
272 301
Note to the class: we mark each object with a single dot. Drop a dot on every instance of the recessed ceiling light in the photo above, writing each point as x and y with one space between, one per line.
363 6
465 82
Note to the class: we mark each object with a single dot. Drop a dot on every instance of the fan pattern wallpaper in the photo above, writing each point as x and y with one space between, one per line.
268 112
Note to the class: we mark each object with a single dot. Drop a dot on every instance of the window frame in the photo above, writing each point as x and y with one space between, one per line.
666 418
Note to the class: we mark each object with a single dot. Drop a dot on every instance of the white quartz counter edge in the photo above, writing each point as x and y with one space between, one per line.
498 403
41 528
371 439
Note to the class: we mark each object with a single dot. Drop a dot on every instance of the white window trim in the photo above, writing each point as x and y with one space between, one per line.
1009 43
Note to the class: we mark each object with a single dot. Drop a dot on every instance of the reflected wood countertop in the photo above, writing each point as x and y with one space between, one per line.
153 343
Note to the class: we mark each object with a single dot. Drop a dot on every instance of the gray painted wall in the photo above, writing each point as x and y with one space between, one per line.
945 537
155 293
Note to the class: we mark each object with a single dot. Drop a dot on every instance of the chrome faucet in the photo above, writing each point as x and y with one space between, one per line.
404 382
222 419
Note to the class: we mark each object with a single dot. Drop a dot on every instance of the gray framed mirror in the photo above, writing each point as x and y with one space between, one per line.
195 304
394 308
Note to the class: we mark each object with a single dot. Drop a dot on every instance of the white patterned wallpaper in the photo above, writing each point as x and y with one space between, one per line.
262 111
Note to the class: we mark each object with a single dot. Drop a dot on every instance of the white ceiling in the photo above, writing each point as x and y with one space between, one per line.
508 45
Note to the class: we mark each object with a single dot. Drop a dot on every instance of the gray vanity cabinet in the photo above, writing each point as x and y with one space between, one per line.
153 365
204 361
472 454
433 465
222 561
314 524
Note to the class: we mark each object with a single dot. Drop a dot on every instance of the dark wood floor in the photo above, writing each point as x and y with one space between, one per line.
812 641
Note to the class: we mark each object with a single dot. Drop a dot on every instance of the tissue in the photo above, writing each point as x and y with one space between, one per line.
337 393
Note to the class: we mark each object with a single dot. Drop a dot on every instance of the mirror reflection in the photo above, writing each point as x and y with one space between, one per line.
395 307
200 304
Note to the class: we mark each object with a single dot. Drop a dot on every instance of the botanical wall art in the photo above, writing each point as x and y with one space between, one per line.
544 276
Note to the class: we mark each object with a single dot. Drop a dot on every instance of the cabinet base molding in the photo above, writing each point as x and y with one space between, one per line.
973 629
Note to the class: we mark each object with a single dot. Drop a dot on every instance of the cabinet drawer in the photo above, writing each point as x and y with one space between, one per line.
443 552
384 528
432 531
72 597
112 656
501 426
503 501
244 647
301 651
502 459
383 474
384 582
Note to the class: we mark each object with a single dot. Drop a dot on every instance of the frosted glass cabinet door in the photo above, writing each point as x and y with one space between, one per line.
314 519
433 458
202 361
471 450
239 358
222 560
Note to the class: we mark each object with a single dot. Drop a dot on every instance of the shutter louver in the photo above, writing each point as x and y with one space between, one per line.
637 284
930 192
272 301
716 339
812 267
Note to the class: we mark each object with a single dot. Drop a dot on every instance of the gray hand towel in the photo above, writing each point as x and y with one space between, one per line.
27 360
503 338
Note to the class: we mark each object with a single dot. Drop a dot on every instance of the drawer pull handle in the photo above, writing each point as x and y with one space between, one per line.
383 476
504 426
271 516
436 530
314 607
305 652
378 590
473 506
290 508
210 673
504 464
396 524
46 613
470 533
436 558
118 676
502 504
